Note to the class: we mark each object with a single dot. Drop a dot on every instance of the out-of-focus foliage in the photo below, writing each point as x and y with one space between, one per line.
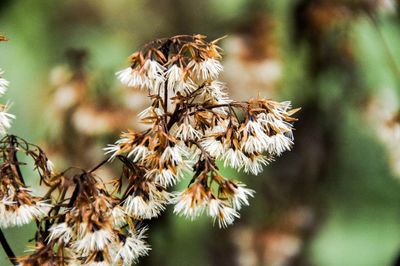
333 200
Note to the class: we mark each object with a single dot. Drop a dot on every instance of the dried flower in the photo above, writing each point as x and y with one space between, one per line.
192 123
17 204
5 117
133 247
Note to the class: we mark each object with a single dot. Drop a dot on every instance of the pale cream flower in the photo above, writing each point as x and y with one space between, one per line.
241 195
190 202
61 232
220 211
208 69
93 241
255 163
136 206
132 247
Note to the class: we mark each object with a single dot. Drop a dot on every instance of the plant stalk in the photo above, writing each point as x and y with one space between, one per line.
7 249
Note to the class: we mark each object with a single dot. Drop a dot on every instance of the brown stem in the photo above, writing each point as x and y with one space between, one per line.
174 117
200 107
14 160
193 93
56 211
99 165
207 156
52 188
75 193
166 98
7 249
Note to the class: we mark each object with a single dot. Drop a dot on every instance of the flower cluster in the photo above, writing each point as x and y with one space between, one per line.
192 124
93 229
17 204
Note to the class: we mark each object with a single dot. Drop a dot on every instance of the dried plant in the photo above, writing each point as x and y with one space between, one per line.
191 125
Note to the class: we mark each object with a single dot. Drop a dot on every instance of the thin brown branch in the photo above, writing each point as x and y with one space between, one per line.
7 249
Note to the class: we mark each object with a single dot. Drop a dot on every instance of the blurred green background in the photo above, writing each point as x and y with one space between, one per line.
334 200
